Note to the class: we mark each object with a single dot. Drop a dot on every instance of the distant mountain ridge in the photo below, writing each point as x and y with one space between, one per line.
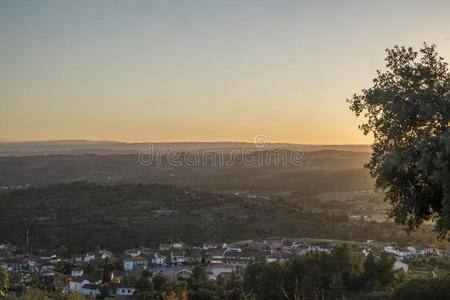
114 147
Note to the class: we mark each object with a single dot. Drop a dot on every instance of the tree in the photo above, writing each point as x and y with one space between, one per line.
337 288
3 281
370 271
408 112
143 283
198 278
105 290
159 283
64 267
234 287
63 251
201 294
307 288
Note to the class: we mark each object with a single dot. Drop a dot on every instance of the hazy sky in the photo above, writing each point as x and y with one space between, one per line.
199 70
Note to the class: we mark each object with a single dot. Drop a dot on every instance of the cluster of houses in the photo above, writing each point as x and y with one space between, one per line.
219 258
172 261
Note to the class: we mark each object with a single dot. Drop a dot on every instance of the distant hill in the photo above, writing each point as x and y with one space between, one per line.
322 171
112 147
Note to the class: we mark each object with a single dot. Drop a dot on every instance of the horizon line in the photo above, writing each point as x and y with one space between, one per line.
171 142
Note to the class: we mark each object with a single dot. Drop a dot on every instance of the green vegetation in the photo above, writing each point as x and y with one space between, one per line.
84 215
34 294
408 111
3 281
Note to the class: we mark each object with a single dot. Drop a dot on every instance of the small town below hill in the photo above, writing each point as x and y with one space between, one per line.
169 272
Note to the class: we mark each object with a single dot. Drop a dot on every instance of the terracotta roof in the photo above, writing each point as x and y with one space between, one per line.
222 266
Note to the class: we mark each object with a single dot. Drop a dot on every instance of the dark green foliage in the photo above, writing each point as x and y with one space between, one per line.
424 288
408 111
159 283
85 215
143 283
337 288
378 271
307 288
234 287
64 268
3 281
333 276
105 290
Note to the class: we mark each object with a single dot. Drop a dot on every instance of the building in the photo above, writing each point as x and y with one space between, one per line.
122 289
135 263
77 272
194 255
322 247
217 255
76 283
133 252
158 259
168 246
399 265
207 246
177 257
90 289
88 257
221 269
241 259
184 273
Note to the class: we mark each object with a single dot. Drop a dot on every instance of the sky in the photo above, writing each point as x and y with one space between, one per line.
162 71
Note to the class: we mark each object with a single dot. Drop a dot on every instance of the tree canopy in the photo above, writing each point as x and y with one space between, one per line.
408 112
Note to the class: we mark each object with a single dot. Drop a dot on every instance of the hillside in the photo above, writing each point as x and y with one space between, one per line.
323 171
81 215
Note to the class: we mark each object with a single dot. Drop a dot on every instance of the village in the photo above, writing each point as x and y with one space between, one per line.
51 271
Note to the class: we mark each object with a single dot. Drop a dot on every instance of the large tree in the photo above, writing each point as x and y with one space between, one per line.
408 111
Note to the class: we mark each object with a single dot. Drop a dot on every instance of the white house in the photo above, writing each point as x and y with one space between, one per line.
400 253
207 246
272 258
322 247
133 252
136 262
158 259
125 291
168 246
366 252
77 272
398 265
300 250
105 254
422 250
90 289
31 263
221 269
128 264
233 249
177 257
88 257
184 273
76 283
177 246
